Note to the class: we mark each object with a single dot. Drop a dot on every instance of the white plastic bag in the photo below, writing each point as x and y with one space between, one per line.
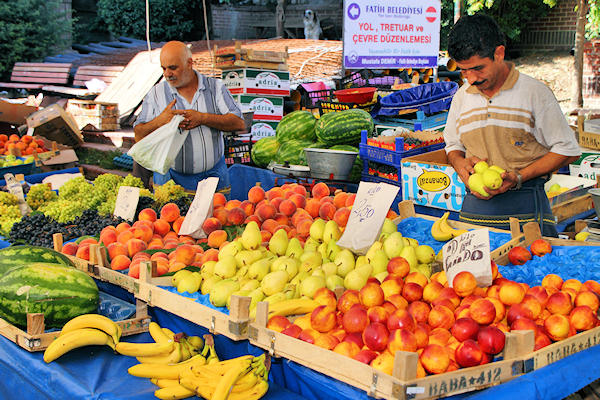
158 150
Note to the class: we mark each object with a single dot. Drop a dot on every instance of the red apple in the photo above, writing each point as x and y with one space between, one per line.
355 319
540 247
375 336
465 328
491 339
519 255
468 354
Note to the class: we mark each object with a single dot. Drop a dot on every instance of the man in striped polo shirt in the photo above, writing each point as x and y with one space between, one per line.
208 109
507 119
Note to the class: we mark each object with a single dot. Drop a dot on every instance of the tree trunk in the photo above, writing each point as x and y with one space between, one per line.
280 18
577 95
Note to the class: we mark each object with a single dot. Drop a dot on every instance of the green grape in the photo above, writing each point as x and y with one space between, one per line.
40 194
131 180
108 207
168 192
8 199
9 215
108 182
63 210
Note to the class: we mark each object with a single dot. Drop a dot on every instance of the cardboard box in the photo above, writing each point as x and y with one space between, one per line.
54 123
588 166
61 156
577 187
257 81
264 108
429 180
262 129
15 113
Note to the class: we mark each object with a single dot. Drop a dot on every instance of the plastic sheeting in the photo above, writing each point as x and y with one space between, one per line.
429 98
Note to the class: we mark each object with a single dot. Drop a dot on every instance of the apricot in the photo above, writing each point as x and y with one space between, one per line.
120 262
169 212
216 238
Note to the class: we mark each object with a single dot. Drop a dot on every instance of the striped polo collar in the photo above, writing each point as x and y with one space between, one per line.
201 83
511 80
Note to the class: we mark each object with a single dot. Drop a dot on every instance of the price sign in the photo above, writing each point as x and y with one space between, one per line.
469 252
373 200
15 188
200 208
127 201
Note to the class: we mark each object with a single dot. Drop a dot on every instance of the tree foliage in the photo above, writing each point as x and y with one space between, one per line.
169 19
592 27
30 30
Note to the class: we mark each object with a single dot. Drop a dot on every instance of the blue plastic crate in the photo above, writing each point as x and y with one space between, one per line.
366 173
123 161
391 157
25 169
417 124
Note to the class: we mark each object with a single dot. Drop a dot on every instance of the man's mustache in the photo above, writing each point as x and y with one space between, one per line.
477 83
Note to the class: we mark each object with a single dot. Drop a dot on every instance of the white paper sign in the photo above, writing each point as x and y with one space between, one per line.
391 33
15 188
373 200
200 209
469 252
127 201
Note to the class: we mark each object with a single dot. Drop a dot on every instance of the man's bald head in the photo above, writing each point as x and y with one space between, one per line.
176 62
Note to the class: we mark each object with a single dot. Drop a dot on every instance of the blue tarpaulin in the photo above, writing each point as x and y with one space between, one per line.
430 98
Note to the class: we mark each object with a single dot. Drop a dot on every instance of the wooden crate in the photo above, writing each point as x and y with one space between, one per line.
146 288
237 56
589 140
35 338
402 384
89 108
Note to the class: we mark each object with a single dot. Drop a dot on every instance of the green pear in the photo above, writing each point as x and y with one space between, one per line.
425 269
379 262
250 285
258 269
251 237
230 249
294 248
274 282
317 228
360 260
269 255
331 231
240 292
287 264
242 273
344 262
279 242
389 226
318 272
492 179
409 254
329 268
311 244
178 275
226 267
189 283
310 260
393 244
332 249
480 167
256 295
244 257
425 254
498 169
221 291
208 283
334 281
357 278
311 284
299 278
475 183
322 249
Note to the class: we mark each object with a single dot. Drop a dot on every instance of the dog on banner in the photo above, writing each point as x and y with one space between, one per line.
312 25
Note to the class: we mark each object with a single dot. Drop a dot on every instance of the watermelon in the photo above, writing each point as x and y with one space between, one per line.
292 152
343 127
60 293
22 255
297 125
264 151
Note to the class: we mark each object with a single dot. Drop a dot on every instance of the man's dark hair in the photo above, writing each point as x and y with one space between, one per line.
474 35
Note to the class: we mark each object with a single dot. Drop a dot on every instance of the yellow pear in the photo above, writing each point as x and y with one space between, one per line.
480 167
425 254
317 228
311 244
294 248
251 237
311 284
389 226
226 267
288 264
331 231
344 262
179 275
498 169
476 184
492 179
274 282
208 269
393 244
409 254
279 242
230 249
221 291
208 283
379 262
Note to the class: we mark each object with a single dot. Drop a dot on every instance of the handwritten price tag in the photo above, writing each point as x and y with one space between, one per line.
469 252
373 200
127 201
15 188
200 209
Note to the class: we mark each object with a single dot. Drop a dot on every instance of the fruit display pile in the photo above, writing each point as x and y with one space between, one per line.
25 145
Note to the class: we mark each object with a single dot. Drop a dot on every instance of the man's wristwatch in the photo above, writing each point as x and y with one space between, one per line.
519 181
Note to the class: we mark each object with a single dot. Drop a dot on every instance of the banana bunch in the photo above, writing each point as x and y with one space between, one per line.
442 232
84 330
242 378
167 348
292 307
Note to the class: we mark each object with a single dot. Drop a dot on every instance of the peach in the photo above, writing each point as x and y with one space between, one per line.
120 262
70 248
347 300
265 211
232 204
540 293
108 236
587 298
256 194
276 202
462 311
303 227
397 301
278 323
531 303
440 277
292 330
287 207
211 224
464 283
300 189
371 295
312 207
320 190
185 254
88 241
431 291
557 326
440 336
491 339
583 318
402 340
434 359
559 303
236 216
248 207
541 340
412 291
540 247
147 214
591 285
447 293
221 215
339 199
219 200
282 219
419 310
348 349
391 286
519 255
401 319
135 246
274 192
299 215
500 308
177 224
327 341
467 301
441 317
114 249
552 280
511 293
161 226
158 255
355 320
143 232
378 314
465 328
309 335
134 270
169 212
482 311
141 256
327 211
162 266
123 226
341 216
175 266
83 252
398 266
298 200
375 336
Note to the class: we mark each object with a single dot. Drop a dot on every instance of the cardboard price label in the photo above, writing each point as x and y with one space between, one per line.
200 208
127 201
15 188
469 252
373 200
